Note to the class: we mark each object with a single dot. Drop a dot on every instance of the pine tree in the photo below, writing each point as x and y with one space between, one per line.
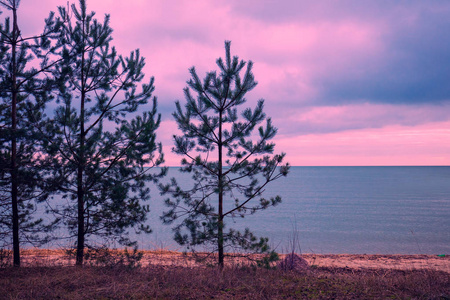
24 91
102 148
229 170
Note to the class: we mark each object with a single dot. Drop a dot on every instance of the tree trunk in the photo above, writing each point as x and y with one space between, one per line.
14 188
80 190
14 171
80 235
80 171
220 219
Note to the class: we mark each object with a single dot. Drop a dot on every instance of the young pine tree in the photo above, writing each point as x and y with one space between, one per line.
25 88
230 164
102 148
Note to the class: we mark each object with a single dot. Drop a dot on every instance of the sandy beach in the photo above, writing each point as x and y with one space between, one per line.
40 257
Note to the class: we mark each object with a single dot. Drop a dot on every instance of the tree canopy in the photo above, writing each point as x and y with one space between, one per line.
25 89
228 151
102 147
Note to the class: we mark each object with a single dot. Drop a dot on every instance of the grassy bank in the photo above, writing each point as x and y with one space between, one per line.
162 282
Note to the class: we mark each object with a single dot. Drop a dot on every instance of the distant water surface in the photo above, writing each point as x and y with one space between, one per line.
385 210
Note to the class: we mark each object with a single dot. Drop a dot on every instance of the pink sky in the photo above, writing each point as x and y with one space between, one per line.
346 82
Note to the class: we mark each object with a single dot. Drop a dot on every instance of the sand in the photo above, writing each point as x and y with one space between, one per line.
43 257
381 261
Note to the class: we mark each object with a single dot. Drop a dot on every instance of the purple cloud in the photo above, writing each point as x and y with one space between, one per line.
328 67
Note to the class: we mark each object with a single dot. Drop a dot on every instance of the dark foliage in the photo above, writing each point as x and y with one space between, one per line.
230 156
25 86
102 149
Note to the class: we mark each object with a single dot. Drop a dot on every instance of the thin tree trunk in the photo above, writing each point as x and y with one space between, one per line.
14 186
80 190
220 220
80 235
14 171
80 171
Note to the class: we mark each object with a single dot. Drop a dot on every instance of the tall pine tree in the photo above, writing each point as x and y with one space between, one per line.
230 164
25 86
102 149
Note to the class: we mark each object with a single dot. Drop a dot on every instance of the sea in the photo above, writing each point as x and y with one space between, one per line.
333 210
371 210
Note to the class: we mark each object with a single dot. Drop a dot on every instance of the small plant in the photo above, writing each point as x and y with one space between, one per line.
110 258
101 256
133 259
5 258
267 260
105 257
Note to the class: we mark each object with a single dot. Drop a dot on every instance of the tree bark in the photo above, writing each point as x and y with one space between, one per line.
14 165
80 235
80 189
80 171
220 219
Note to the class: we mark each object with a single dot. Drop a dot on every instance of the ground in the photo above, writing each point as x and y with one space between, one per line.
50 274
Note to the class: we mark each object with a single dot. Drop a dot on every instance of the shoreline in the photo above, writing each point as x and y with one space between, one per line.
166 258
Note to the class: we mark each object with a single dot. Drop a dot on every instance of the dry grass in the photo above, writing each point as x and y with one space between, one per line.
163 282
49 274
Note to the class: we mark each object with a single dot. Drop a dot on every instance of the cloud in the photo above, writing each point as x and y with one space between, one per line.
324 67
410 67
378 51
426 144
305 53
329 119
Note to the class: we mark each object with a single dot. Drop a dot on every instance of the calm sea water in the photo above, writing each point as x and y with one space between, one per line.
345 210
371 210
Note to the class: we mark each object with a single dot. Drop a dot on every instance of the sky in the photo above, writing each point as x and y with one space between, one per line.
347 83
